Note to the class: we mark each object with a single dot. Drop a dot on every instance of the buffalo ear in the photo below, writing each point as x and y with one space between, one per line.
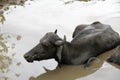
55 31
60 42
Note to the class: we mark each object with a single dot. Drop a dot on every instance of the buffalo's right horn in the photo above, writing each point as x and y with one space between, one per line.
64 38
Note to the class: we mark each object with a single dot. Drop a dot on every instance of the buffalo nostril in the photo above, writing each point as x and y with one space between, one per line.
26 56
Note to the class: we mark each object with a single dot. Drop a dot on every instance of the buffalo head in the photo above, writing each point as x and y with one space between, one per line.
46 49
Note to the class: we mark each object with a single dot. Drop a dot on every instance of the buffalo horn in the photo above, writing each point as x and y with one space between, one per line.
55 31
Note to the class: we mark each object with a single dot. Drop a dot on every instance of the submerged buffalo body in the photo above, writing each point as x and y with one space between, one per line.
115 58
88 41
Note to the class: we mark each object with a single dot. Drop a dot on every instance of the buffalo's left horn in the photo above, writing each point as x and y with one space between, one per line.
55 31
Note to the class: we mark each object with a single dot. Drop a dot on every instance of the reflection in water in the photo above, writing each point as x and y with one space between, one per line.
5 60
4 4
71 1
2 18
3 47
74 72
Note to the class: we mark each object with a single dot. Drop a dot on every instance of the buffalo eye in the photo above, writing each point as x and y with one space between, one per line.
45 44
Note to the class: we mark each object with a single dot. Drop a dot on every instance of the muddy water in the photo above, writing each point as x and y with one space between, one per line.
33 21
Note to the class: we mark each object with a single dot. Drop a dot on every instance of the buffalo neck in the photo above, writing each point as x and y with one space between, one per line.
70 51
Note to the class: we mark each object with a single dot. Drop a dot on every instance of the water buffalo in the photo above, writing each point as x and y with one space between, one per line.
115 58
88 41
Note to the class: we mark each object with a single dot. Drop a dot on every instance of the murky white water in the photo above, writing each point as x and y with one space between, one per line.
33 21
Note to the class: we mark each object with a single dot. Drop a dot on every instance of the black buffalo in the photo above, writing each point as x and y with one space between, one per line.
115 58
88 41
